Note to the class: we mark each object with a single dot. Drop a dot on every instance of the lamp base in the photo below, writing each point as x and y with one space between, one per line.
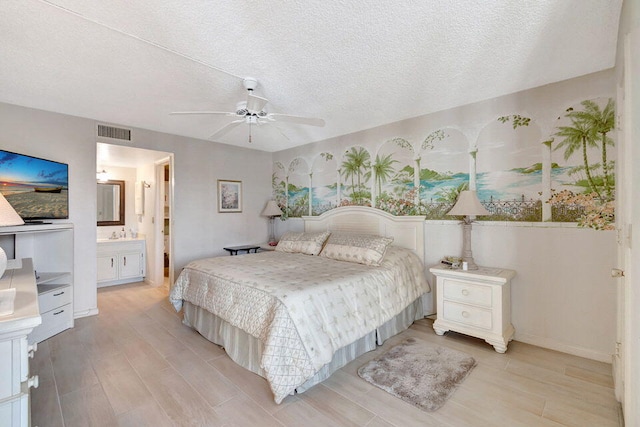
471 265
272 235
467 255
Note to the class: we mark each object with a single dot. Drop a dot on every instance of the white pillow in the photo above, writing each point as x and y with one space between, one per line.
304 243
361 248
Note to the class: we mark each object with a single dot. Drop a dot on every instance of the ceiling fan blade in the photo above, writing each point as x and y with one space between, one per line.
226 129
255 103
282 132
224 113
296 119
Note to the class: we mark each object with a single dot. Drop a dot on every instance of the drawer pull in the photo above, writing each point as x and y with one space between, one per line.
58 294
61 311
33 381
125 261
31 350
465 292
465 314
111 262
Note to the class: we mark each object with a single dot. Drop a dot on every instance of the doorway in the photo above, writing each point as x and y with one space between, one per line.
145 191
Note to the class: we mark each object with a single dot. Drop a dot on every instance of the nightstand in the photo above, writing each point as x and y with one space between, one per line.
476 303
233 250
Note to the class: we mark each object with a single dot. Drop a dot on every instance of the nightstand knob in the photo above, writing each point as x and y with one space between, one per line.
465 314
465 292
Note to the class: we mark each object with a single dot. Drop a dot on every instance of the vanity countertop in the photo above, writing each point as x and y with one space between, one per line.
120 239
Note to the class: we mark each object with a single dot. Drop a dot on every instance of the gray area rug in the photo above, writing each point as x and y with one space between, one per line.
420 373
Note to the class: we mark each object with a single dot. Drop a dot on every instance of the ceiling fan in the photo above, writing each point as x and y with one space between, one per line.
252 112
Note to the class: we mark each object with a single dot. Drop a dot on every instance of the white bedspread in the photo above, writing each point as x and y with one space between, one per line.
302 308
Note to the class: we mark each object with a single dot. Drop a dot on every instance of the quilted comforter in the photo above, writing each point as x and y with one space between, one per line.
302 308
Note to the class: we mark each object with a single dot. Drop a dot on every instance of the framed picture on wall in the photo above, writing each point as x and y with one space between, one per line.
229 196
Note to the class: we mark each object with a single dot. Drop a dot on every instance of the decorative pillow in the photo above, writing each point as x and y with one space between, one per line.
360 248
304 243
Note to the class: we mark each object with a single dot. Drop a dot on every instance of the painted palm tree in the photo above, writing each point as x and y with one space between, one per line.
349 171
578 136
357 163
383 168
602 122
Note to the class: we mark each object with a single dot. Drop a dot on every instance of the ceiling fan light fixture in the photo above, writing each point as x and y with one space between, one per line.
250 83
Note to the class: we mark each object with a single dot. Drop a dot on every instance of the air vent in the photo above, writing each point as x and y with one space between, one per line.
114 132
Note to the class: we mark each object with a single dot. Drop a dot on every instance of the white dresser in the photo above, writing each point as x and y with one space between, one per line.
121 261
476 303
15 382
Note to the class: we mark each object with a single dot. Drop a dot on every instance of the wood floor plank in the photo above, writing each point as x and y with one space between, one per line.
242 411
183 405
121 384
87 406
148 415
214 387
46 406
331 404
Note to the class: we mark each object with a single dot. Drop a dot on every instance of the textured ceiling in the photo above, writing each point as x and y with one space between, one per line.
356 64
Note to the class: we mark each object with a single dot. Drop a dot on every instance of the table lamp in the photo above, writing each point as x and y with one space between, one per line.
8 216
468 205
272 211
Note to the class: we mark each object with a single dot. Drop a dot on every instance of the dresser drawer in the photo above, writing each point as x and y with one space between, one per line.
53 322
56 297
468 315
467 293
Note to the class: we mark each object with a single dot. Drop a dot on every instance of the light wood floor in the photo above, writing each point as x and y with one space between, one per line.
135 364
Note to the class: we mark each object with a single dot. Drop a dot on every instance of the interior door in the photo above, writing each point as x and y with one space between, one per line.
627 357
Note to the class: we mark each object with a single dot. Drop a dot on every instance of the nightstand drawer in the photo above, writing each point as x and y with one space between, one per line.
467 293
466 314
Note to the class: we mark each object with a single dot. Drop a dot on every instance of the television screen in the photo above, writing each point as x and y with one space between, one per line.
36 188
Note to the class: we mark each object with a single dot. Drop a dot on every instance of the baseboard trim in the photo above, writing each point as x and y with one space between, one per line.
85 313
562 347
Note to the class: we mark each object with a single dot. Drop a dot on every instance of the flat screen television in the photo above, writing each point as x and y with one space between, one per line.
38 189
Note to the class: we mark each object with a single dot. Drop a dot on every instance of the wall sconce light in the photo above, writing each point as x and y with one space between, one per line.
102 175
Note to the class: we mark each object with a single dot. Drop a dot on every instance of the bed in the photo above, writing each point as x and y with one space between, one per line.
297 314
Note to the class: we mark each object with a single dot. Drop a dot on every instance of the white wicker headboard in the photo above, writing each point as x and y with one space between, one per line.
407 231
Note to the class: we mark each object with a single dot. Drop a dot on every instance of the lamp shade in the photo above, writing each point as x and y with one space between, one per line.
468 204
271 209
8 215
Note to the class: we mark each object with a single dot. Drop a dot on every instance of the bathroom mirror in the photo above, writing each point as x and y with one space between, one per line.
110 203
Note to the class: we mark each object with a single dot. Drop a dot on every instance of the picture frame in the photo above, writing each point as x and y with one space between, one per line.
229 196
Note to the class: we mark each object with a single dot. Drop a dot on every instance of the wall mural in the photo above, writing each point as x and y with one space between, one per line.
519 172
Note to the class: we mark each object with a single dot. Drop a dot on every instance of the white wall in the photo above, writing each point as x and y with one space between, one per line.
199 230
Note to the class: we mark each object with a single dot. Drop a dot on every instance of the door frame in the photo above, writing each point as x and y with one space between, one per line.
159 222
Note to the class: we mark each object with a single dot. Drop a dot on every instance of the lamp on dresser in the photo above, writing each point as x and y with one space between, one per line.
272 210
8 216
468 205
